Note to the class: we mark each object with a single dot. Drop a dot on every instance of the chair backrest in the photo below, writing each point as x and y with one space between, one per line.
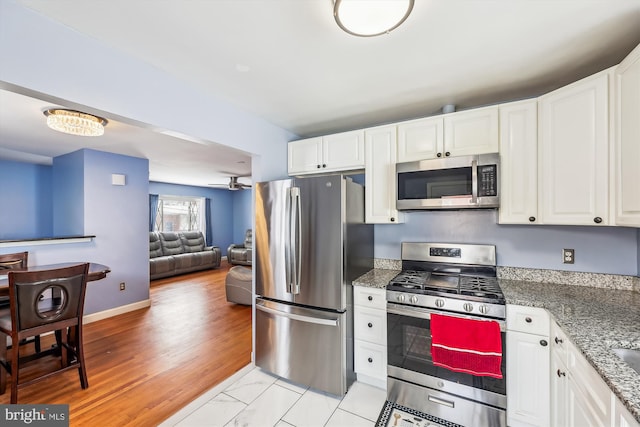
155 247
45 297
16 261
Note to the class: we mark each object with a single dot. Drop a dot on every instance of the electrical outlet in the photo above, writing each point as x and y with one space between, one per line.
122 286
568 256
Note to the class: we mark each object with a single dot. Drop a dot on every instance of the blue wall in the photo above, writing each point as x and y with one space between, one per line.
116 215
242 214
26 207
68 194
612 250
230 210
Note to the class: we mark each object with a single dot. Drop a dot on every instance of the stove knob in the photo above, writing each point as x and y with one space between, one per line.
467 307
414 299
439 303
483 309
400 298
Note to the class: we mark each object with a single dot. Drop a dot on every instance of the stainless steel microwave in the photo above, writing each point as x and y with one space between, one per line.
451 183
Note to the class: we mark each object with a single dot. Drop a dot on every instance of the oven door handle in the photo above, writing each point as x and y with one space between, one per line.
425 313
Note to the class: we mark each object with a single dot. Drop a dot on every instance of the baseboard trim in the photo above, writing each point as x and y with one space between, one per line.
94 317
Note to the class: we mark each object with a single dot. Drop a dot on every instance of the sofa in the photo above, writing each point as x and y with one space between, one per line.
177 253
241 254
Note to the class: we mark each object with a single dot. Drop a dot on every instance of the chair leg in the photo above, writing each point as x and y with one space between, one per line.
79 346
3 357
62 343
15 373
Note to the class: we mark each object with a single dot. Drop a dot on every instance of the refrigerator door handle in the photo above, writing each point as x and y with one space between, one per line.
287 242
295 258
293 316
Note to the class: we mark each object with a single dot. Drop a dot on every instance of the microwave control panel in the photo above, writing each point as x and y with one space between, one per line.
487 180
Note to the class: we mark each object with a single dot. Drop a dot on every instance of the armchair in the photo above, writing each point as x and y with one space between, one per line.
241 253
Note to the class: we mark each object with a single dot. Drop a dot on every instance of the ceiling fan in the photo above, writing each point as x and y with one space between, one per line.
233 184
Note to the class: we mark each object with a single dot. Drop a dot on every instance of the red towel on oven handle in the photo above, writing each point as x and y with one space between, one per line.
466 345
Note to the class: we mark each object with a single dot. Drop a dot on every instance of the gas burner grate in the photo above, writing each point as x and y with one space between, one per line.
480 286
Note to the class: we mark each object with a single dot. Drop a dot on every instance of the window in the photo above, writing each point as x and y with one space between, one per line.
177 213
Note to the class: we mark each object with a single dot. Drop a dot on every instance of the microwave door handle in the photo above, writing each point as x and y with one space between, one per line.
474 182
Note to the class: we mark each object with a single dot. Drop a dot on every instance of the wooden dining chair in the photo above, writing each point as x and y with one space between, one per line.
44 301
15 261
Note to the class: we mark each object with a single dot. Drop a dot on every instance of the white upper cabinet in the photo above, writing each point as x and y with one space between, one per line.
331 153
380 176
627 143
420 139
454 134
471 132
519 162
574 152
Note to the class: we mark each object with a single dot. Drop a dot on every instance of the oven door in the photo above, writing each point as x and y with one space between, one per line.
409 357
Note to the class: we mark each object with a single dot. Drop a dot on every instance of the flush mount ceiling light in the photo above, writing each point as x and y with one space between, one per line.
368 18
75 122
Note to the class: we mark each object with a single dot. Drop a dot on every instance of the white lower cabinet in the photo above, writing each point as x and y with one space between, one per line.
370 335
528 400
580 396
621 416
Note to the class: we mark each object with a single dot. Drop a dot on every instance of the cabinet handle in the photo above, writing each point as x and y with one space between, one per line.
439 155
324 165
370 298
527 319
370 325
558 340
318 166
543 343
532 219
370 360
597 220
561 374
393 219
447 154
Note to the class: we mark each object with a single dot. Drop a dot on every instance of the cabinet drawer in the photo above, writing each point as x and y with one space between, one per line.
530 320
370 297
370 359
370 324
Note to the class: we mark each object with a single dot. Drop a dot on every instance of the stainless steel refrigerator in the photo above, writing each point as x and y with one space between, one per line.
310 242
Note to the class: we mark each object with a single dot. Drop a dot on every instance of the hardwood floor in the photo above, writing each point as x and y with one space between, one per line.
145 365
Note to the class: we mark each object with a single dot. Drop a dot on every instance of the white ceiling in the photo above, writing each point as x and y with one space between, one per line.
306 75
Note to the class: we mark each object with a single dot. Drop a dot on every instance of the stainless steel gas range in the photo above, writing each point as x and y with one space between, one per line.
457 283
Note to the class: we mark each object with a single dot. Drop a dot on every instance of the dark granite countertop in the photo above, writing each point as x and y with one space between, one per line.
595 319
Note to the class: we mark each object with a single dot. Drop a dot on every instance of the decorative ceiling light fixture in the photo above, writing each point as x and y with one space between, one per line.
75 122
368 18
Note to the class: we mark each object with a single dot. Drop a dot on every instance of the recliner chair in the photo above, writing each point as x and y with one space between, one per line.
241 254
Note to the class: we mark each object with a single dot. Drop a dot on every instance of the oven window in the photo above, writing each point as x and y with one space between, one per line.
409 347
434 184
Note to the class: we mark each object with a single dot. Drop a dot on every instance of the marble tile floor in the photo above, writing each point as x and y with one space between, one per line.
253 397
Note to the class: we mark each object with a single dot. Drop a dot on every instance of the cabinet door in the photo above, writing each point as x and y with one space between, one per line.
305 156
627 146
420 139
622 417
574 144
559 387
343 151
380 176
519 163
471 132
528 400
